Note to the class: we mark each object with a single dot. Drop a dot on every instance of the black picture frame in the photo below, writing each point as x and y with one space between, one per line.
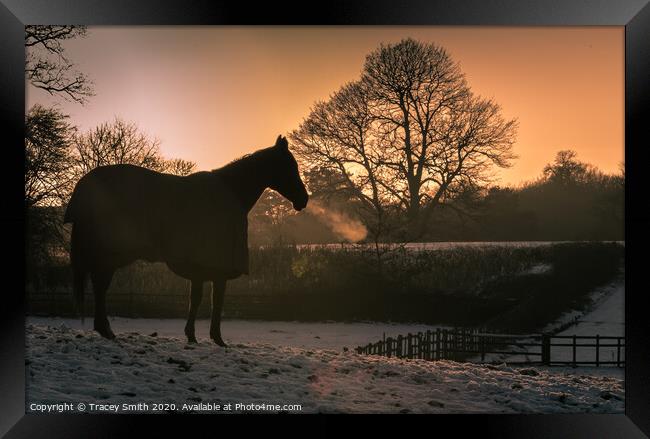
633 14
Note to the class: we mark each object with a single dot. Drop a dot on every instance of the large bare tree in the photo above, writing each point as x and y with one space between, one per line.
47 66
409 135
337 137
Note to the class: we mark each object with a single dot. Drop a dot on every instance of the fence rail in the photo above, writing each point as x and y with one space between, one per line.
462 344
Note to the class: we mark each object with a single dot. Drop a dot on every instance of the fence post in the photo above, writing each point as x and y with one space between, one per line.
597 350
424 345
463 342
399 346
443 344
409 345
420 345
482 343
415 347
546 350
437 343
618 352
574 350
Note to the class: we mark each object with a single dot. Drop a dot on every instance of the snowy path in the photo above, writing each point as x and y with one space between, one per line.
607 315
321 335
69 365
606 318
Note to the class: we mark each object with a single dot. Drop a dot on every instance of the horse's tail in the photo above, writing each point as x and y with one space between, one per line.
79 271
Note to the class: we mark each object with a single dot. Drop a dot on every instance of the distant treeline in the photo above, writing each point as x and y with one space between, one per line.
571 201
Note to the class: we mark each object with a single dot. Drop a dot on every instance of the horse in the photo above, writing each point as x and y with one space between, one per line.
196 224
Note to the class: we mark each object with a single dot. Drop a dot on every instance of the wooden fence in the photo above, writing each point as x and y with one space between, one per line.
461 344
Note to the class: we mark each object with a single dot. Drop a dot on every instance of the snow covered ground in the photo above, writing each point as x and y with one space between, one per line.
322 335
605 317
293 366
450 244
283 363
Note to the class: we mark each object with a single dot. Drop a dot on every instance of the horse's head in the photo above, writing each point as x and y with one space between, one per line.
286 178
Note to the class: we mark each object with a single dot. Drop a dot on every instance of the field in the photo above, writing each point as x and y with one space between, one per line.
293 324
286 364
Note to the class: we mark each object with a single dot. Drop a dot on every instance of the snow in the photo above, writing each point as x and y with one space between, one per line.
605 317
266 366
607 313
448 245
321 335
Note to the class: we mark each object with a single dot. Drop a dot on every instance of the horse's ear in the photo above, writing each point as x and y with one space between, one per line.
282 142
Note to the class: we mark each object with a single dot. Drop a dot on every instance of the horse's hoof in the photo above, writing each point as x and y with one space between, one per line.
107 334
191 339
219 342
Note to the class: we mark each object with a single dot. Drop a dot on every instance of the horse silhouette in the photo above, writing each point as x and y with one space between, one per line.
196 224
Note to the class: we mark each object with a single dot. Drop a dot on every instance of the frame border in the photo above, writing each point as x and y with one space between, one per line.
633 14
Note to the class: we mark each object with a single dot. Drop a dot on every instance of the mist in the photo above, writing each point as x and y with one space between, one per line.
341 224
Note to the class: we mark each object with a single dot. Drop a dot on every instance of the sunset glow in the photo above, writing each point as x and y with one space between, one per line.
211 94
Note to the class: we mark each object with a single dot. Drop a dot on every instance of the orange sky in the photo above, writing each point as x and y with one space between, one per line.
211 94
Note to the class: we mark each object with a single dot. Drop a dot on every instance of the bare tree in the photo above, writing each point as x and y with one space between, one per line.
117 142
48 137
178 167
47 67
409 135
47 183
337 138
121 142
470 142
411 86
567 169
269 214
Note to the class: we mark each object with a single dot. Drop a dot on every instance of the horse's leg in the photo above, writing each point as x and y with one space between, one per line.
101 280
195 300
218 291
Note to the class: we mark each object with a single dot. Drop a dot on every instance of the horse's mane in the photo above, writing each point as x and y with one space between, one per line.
245 162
